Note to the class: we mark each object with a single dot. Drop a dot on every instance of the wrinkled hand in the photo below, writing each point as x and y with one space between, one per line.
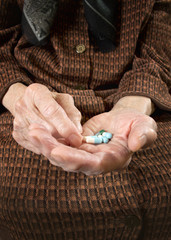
41 110
48 123
131 131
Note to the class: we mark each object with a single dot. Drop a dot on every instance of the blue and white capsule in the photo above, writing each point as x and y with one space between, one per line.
92 139
105 139
107 135
100 133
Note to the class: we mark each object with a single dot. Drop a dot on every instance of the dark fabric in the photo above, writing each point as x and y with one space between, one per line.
101 16
39 201
38 18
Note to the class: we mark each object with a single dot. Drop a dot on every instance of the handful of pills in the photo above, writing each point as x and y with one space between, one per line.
101 137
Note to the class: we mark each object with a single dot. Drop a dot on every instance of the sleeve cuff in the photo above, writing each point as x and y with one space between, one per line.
144 85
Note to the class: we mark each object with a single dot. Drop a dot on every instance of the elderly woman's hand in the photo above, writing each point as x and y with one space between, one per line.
38 108
48 123
131 129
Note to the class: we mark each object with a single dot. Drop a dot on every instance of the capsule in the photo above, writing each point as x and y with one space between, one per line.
100 132
92 139
105 139
107 135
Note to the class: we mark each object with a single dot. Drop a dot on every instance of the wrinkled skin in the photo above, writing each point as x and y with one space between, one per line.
49 124
40 108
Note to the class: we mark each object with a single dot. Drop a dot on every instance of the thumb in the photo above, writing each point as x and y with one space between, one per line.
142 135
91 127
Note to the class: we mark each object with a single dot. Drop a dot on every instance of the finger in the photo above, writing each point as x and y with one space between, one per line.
70 159
43 139
46 144
76 160
98 159
142 135
66 101
19 124
54 113
116 153
25 143
26 116
20 134
104 158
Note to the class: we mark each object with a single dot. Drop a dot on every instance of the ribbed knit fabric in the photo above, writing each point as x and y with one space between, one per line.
140 65
39 201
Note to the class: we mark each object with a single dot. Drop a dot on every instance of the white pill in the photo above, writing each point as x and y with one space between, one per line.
92 139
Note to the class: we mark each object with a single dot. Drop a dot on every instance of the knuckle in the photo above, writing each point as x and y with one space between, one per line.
150 120
16 124
66 169
75 113
78 115
90 173
61 128
155 125
14 134
35 86
55 95
51 110
75 168
68 97
31 89
153 133
55 163
70 169
35 89
19 105
16 137
52 162
152 123
79 167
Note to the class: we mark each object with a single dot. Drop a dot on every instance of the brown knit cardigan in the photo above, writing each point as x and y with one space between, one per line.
39 201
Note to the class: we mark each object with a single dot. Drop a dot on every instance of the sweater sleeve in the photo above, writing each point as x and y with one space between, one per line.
10 33
150 74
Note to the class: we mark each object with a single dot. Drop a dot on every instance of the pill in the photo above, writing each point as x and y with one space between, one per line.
107 135
105 139
92 139
100 132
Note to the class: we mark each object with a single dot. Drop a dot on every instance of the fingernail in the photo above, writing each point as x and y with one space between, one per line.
75 140
143 140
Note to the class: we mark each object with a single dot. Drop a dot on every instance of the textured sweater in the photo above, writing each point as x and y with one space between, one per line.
140 64
40 201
